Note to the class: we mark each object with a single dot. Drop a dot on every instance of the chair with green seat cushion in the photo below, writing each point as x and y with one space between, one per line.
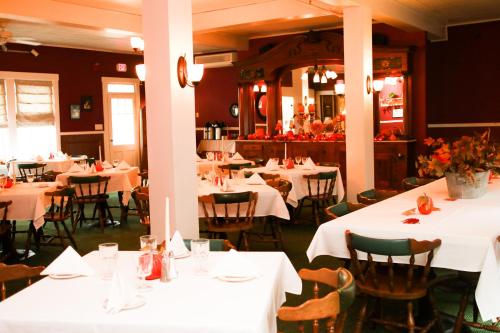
332 308
330 164
320 188
372 196
386 280
233 167
35 169
91 190
410 183
215 244
229 213
342 209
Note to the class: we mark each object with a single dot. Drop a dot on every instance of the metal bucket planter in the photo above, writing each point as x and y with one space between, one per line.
462 188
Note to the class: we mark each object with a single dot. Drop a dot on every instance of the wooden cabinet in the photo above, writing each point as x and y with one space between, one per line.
394 160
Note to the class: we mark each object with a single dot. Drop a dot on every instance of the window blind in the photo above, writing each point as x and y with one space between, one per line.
3 107
34 103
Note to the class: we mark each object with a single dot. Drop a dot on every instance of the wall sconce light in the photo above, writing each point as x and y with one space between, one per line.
257 88
378 85
188 75
340 87
391 80
137 43
140 70
368 84
263 89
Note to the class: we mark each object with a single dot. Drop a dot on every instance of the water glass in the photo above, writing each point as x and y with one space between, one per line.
30 177
148 243
144 269
109 256
200 248
298 159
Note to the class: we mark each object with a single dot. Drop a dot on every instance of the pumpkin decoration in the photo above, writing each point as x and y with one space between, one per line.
424 204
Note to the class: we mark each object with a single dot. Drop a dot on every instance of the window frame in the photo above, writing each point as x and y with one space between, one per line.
10 96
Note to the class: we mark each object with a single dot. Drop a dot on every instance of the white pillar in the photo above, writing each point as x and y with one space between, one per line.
358 103
168 34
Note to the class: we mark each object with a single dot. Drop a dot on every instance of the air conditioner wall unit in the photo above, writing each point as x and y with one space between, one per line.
216 60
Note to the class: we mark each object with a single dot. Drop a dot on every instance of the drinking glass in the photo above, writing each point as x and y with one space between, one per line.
115 163
297 159
144 269
109 256
200 249
210 156
304 159
30 177
148 243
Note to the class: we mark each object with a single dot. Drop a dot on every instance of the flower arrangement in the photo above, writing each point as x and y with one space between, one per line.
317 127
465 156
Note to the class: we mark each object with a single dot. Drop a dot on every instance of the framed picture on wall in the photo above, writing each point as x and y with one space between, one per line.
86 103
74 111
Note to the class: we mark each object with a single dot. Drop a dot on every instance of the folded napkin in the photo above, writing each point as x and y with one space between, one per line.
309 165
237 156
234 265
68 263
255 179
121 294
92 169
107 165
75 168
198 158
177 245
123 165
272 165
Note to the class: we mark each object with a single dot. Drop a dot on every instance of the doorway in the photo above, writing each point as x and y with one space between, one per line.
121 102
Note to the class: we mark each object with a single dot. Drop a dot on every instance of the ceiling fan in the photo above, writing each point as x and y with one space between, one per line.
6 37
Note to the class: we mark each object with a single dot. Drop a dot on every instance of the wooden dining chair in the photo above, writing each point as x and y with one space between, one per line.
330 164
8 249
236 214
17 272
469 281
372 196
320 192
342 208
396 282
230 169
61 210
332 307
140 195
410 183
91 190
35 169
271 179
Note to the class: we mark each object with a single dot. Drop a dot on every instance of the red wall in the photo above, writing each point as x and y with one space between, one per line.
463 79
80 73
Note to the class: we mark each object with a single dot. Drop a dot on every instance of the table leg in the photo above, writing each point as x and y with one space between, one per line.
123 208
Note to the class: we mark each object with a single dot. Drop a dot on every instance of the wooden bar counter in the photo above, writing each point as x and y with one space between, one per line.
394 160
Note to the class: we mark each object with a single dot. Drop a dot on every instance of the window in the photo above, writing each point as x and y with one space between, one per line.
29 124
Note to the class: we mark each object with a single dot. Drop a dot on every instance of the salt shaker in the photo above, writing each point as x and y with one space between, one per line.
172 271
165 267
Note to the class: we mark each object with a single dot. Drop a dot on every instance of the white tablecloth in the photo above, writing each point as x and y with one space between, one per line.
269 201
57 165
467 228
28 201
121 180
217 145
205 165
299 183
189 304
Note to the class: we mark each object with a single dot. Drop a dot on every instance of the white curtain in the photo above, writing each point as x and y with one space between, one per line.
4 130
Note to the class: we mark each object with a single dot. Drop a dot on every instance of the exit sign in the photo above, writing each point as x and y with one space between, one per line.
121 67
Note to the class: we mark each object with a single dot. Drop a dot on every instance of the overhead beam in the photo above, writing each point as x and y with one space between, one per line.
55 12
221 41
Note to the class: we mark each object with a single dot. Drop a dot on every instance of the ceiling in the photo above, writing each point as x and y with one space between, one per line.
224 24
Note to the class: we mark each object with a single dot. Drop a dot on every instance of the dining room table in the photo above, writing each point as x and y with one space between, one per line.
296 175
191 303
57 164
269 200
467 228
204 166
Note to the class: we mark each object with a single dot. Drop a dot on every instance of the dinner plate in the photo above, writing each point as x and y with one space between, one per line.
183 255
63 276
134 304
236 278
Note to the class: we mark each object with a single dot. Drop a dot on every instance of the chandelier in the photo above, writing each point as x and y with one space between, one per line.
320 75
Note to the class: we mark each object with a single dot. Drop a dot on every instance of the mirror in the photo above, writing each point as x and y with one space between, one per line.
261 105
234 110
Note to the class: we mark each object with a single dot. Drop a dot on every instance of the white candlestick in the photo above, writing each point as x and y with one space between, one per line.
285 150
100 159
167 223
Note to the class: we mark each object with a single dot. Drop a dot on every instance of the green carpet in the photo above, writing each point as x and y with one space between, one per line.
297 238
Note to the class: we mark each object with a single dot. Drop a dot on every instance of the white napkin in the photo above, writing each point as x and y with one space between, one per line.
92 169
123 166
198 158
68 263
237 156
75 168
177 245
226 186
234 265
255 179
309 165
271 165
39 158
121 293
107 165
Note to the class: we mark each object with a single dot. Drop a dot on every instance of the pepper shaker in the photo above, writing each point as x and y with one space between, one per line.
165 268
172 271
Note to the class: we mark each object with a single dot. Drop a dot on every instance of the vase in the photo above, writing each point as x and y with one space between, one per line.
462 188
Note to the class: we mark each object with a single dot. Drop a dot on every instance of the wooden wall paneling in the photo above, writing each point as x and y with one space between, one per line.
85 144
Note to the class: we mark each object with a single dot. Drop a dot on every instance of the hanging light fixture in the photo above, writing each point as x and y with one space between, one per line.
263 89
140 70
256 88
305 75
340 87
330 74
316 78
324 79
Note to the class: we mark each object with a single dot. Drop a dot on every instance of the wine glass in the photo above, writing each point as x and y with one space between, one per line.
115 163
30 177
144 269
298 159
148 243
